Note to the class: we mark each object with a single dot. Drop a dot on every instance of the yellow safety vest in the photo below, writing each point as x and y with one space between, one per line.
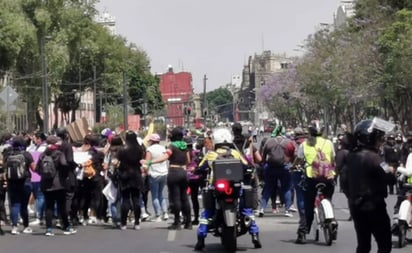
309 152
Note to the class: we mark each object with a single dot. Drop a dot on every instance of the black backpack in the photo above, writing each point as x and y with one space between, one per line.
48 167
16 166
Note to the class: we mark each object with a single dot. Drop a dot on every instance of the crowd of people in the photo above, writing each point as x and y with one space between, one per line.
118 170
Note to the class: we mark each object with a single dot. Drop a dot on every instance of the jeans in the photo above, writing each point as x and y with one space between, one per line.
114 212
40 202
297 179
271 177
157 184
19 194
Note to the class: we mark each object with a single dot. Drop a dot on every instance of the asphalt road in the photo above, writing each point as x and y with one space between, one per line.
277 235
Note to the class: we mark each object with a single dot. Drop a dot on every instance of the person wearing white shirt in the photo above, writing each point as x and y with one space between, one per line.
157 176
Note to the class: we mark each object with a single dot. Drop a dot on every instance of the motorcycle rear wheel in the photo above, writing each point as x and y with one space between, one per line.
327 232
228 238
402 229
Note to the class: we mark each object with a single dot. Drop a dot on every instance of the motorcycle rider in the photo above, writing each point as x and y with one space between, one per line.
223 143
366 188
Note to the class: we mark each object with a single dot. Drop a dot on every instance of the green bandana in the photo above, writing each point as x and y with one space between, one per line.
180 145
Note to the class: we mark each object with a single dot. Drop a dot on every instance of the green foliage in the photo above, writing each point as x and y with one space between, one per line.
76 50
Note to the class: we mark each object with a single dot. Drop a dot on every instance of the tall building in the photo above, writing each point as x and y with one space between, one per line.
177 94
255 73
107 21
344 11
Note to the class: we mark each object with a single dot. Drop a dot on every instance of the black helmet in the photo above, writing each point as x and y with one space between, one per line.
366 135
61 132
315 128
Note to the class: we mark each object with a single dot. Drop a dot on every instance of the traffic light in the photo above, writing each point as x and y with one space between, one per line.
188 110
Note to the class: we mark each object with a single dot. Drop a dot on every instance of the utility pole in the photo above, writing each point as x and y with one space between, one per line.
125 112
80 82
204 106
94 95
45 86
101 106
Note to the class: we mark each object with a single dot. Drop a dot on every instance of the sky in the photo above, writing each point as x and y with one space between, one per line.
216 37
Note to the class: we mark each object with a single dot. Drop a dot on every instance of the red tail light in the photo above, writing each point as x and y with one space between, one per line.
223 186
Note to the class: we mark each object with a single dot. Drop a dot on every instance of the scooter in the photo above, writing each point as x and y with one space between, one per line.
324 217
405 216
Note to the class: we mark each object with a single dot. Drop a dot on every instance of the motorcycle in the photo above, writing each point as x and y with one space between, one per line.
224 195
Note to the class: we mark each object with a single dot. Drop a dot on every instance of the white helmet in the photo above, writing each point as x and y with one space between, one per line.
221 136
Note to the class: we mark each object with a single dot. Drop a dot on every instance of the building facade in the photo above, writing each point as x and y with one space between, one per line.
254 75
177 94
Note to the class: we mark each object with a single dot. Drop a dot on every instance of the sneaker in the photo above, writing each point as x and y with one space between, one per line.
292 209
49 232
123 227
14 231
288 214
261 213
92 220
69 231
158 219
165 216
136 227
58 224
35 222
85 222
27 230
145 217
1 231
275 210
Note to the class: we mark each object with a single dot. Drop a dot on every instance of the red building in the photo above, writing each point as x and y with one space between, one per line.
176 90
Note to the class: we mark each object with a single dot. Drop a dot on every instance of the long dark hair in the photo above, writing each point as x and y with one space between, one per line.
132 145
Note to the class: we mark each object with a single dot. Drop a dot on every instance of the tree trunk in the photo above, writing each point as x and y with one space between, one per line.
33 116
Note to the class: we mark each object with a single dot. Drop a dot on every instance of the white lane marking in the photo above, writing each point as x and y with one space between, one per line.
171 236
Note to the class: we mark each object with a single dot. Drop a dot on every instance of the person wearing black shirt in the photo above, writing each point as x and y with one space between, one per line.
392 156
130 179
365 186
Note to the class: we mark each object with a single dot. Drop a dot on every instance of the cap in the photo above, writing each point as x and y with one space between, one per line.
107 132
154 137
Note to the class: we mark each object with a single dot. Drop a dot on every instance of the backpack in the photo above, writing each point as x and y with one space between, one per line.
48 167
321 167
276 153
16 166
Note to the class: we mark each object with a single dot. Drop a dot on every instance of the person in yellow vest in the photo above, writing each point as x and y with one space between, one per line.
308 152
